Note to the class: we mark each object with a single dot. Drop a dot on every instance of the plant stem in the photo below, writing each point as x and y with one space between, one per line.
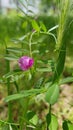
24 112
50 109
9 92
30 43
16 85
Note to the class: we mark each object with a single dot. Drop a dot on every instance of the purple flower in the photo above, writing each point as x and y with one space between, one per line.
25 62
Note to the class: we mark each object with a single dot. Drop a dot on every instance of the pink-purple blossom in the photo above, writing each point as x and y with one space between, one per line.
25 62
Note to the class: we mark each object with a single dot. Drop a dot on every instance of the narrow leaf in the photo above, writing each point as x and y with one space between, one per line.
10 127
60 63
13 76
43 27
43 69
35 25
23 94
11 57
66 80
53 28
16 50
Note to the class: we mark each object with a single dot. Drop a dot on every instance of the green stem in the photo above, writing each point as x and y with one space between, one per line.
49 33
17 87
30 43
50 109
9 92
23 123
41 32
49 117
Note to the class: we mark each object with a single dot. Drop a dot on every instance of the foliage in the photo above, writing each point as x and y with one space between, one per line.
31 83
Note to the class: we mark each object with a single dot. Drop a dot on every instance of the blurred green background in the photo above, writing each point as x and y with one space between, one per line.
13 27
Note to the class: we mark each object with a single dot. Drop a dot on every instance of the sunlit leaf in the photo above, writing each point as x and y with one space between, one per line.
43 27
52 122
10 127
24 94
34 120
35 25
53 28
24 25
52 94
67 125
30 115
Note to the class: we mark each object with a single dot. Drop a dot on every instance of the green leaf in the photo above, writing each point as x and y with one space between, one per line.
43 69
11 57
39 83
66 80
35 25
49 62
12 49
21 39
52 122
34 120
24 24
53 28
67 125
43 27
1 80
70 126
5 127
30 115
12 73
10 127
35 52
13 76
60 63
16 50
52 94
14 127
23 94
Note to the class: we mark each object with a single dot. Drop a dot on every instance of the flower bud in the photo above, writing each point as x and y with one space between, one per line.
25 62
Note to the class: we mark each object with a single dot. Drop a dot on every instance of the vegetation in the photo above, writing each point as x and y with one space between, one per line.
33 91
